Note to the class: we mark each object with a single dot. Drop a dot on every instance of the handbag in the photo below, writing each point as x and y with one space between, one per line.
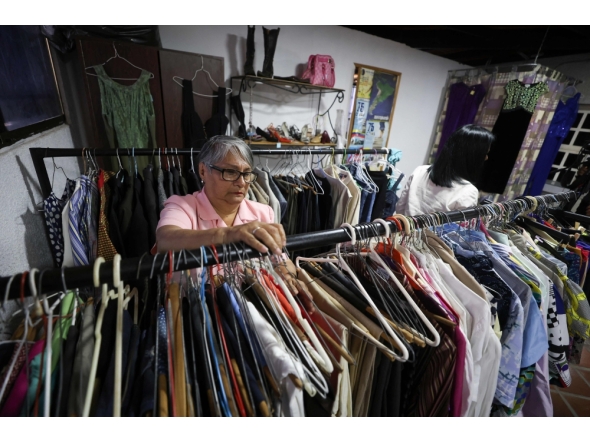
321 70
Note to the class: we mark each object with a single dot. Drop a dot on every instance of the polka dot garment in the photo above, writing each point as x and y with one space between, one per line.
53 209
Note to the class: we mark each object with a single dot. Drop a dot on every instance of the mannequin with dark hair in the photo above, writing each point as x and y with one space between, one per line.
451 182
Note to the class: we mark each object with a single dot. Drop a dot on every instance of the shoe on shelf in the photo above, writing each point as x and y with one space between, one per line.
325 137
284 129
273 131
306 134
266 135
295 133
316 139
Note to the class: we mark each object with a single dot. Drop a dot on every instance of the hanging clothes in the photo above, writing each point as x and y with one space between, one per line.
128 113
217 124
563 119
462 106
510 129
193 132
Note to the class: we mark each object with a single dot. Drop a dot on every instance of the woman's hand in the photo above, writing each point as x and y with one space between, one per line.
261 236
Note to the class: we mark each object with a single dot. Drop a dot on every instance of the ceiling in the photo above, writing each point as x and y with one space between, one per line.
488 45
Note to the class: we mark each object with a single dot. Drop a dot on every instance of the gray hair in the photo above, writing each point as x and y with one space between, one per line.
216 148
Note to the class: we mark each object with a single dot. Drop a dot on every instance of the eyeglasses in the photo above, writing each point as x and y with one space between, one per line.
233 175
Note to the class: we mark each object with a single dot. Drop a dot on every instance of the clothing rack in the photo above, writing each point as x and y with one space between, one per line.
146 266
572 216
38 154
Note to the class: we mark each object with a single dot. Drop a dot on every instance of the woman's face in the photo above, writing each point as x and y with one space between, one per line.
220 190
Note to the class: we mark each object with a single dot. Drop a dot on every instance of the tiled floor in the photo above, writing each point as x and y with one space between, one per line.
574 400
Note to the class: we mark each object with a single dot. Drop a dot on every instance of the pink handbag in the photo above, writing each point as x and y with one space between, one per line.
320 70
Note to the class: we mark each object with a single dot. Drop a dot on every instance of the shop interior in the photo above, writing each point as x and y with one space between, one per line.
474 312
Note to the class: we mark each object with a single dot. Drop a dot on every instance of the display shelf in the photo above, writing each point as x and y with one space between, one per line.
285 85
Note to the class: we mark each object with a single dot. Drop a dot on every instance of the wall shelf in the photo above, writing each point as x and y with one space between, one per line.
286 85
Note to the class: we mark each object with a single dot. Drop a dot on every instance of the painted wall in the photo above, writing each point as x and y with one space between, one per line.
23 241
577 66
420 92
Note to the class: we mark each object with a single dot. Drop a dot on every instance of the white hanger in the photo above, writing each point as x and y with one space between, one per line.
117 56
118 284
178 80
313 373
97 334
401 288
382 321
21 342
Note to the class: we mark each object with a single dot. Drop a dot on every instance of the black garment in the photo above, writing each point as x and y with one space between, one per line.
67 364
326 213
105 401
169 183
192 127
380 178
142 403
175 181
150 204
129 379
217 124
125 210
193 182
136 239
510 129
183 186
191 357
117 191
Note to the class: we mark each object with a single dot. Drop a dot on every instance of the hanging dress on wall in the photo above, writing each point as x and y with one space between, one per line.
463 104
510 130
128 113
563 119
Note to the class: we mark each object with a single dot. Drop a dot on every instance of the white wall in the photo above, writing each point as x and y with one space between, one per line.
420 92
23 242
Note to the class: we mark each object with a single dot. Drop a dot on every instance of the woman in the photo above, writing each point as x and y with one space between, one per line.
448 184
220 214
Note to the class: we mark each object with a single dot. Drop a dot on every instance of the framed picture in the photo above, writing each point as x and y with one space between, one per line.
373 104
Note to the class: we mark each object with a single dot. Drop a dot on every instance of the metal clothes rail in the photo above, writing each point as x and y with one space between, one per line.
146 266
38 154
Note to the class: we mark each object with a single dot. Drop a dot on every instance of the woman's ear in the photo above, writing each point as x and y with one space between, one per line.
201 169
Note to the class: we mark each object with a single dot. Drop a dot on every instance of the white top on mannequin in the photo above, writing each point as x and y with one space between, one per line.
422 196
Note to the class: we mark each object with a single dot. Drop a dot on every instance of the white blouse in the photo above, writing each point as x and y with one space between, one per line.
422 196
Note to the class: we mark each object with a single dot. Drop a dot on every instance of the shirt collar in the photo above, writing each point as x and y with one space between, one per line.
207 212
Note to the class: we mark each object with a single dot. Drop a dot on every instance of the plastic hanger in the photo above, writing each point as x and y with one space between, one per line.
117 56
374 255
119 286
382 321
49 346
105 297
178 80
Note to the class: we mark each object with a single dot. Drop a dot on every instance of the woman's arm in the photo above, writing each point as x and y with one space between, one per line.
264 237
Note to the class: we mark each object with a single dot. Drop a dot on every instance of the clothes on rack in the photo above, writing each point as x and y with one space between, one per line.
562 121
510 130
462 106
456 321
420 195
192 127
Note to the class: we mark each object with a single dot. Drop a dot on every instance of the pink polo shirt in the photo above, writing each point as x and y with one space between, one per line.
195 212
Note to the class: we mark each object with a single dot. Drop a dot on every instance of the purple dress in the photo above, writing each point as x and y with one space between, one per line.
461 110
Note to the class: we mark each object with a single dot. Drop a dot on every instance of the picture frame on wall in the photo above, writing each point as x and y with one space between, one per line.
373 106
